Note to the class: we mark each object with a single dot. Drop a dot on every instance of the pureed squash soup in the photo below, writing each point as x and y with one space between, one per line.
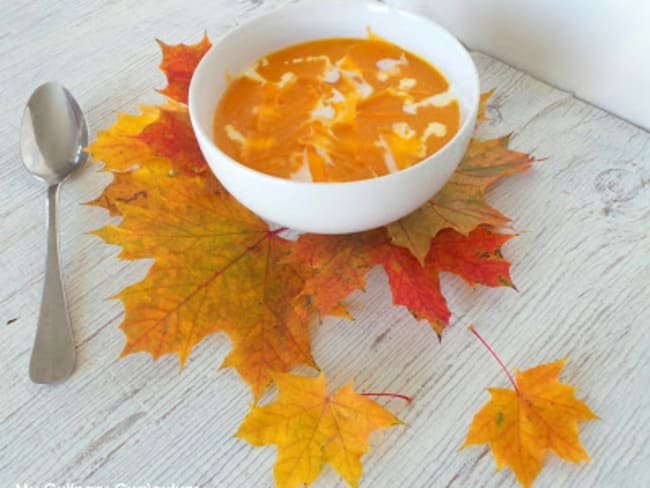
335 110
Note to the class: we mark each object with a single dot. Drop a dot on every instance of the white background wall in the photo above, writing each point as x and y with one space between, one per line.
598 49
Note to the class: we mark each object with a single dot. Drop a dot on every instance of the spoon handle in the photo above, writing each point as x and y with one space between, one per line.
53 353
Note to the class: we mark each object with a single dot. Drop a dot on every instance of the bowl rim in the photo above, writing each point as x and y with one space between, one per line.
462 51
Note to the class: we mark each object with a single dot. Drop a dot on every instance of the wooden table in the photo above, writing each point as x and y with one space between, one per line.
581 264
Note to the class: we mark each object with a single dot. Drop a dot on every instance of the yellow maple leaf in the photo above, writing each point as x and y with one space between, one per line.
118 147
312 428
520 425
131 186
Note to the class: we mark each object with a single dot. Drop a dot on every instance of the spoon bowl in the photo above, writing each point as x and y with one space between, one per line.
54 134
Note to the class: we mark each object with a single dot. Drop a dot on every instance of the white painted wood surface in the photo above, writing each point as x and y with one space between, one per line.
581 263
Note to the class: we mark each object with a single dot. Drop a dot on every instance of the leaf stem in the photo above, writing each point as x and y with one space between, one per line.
407 399
277 231
494 354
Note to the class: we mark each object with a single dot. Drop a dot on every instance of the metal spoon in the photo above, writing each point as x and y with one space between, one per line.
54 133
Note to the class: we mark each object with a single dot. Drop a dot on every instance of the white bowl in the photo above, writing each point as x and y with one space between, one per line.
333 208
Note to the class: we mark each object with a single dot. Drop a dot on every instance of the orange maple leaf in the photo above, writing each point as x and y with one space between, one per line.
520 425
178 64
461 204
337 265
217 267
312 428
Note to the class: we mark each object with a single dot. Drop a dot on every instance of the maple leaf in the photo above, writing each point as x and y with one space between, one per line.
126 188
482 106
133 186
338 265
122 153
520 425
171 136
461 204
118 147
312 428
157 141
476 258
178 63
217 268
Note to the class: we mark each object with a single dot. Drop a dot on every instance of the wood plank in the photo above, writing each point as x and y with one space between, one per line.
581 265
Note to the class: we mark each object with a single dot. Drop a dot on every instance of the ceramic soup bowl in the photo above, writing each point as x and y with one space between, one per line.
333 208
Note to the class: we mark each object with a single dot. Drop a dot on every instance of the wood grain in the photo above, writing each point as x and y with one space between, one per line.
581 264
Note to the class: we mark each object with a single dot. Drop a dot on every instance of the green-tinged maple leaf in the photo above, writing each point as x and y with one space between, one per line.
461 204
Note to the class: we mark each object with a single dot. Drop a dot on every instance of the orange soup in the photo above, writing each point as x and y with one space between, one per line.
336 110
